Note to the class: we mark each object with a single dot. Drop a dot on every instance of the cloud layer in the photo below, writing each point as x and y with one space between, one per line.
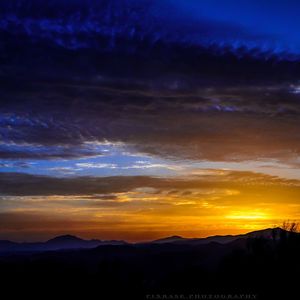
217 124
18 184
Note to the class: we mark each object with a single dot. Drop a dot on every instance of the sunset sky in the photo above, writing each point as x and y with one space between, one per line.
137 119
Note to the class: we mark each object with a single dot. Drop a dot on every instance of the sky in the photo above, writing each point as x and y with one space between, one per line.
137 120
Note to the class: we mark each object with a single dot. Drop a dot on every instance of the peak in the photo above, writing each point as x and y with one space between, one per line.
175 237
266 233
169 239
277 229
66 237
268 230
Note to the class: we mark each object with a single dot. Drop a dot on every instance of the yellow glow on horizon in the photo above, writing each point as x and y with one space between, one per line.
248 215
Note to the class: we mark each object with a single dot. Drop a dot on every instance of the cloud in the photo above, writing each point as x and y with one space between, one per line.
217 124
101 23
96 165
149 165
17 164
91 41
24 184
155 83
19 184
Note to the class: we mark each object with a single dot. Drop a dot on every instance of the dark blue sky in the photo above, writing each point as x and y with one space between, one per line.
277 21
268 25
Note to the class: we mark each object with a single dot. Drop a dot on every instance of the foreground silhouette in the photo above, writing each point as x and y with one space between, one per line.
260 266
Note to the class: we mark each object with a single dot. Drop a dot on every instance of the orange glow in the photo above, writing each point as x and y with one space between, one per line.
151 212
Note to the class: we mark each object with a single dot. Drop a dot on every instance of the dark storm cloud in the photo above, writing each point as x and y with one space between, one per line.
134 39
24 185
104 23
127 71
234 124
17 184
90 20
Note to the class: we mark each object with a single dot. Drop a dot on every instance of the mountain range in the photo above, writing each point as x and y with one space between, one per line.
258 264
268 233
73 242
57 243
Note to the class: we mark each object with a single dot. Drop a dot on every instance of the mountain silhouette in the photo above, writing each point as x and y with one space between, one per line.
268 233
74 242
170 239
57 243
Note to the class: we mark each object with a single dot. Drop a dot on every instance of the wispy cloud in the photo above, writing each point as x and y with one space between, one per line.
25 184
96 165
